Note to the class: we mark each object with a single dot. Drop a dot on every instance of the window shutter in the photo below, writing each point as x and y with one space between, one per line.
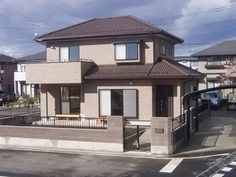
130 103
120 51
105 102
64 53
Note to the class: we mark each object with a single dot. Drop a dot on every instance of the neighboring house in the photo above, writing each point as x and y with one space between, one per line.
191 62
116 66
7 68
21 88
212 62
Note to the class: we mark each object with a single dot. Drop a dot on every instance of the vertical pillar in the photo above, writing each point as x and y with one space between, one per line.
188 118
196 111
161 136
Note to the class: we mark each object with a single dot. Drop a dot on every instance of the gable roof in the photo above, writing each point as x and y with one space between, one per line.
6 59
165 68
225 48
37 57
106 27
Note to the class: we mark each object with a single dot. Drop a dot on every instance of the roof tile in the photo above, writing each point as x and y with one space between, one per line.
163 69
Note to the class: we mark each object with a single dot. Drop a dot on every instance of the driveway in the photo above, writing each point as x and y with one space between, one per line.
217 133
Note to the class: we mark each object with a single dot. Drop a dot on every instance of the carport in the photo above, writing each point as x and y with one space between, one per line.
196 95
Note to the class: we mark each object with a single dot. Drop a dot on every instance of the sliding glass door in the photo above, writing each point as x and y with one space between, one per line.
118 102
70 100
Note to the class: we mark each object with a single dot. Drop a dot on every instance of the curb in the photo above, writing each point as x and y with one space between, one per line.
143 155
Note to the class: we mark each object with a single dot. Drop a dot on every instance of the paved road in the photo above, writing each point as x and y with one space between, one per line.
38 164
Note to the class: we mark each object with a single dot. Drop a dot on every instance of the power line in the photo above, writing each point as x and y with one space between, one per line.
218 9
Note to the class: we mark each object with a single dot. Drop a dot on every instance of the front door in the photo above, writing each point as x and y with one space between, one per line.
164 100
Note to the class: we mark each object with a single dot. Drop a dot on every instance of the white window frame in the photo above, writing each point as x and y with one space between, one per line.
124 58
128 108
68 58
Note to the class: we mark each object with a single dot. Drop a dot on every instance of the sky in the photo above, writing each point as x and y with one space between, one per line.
201 23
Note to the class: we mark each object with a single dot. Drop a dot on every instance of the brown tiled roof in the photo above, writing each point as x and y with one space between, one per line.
110 26
165 68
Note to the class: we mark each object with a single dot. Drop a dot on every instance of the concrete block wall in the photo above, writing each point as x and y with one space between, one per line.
110 139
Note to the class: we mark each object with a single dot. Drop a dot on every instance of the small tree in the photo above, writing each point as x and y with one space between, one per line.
229 77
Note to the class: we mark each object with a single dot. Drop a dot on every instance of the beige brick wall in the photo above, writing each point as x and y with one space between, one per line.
90 98
102 52
89 105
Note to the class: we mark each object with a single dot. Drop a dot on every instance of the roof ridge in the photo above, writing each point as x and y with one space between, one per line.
71 26
112 17
184 67
145 22
167 62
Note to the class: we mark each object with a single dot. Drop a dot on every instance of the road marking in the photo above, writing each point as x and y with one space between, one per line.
169 168
226 169
218 175
233 163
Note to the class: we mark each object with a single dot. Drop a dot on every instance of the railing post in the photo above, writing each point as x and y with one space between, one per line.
138 144
196 114
11 112
28 110
188 118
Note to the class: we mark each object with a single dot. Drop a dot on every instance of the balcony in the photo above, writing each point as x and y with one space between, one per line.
214 66
56 72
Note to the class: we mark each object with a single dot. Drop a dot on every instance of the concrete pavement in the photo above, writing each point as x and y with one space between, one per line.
217 134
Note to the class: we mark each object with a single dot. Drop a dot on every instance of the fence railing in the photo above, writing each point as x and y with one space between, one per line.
35 120
12 112
178 121
203 107
82 122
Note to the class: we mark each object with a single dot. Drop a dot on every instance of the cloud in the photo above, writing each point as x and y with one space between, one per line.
21 19
197 13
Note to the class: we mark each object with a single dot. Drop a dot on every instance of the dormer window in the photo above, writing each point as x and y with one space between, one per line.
69 54
127 52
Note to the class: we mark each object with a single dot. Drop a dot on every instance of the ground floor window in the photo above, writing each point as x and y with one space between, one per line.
118 102
70 100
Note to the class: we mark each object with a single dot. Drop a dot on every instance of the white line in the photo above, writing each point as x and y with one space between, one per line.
169 168
218 175
233 163
226 169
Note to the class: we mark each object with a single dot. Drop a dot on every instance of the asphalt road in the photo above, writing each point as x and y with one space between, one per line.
39 164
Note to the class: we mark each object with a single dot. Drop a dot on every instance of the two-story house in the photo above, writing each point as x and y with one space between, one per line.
20 86
120 66
7 68
212 62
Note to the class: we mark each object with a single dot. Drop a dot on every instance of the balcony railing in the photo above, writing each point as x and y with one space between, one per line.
214 66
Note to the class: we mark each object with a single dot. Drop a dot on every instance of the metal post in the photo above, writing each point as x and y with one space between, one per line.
138 145
196 114
188 118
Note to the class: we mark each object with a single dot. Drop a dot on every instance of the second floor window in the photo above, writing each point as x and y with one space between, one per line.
127 51
162 48
22 68
69 53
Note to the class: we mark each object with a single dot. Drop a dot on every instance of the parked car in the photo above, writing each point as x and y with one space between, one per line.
215 98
